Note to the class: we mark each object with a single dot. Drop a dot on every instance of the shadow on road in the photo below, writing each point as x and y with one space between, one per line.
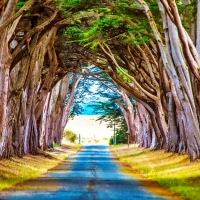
90 175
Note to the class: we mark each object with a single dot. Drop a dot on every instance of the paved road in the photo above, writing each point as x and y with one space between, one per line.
89 175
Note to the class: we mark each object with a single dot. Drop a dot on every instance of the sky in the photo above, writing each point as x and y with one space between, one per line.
88 127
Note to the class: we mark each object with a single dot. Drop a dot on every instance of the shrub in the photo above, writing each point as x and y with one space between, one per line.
55 144
111 140
121 137
69 135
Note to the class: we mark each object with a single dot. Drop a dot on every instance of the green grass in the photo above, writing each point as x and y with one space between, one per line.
172 171
16 170
75 145
71 144
116 146
55 145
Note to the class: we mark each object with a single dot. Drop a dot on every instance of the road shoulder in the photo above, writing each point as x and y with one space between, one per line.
148 183
17 170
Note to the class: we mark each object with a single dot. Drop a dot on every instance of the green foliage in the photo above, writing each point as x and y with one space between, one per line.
189 12
123 4
105 10
110 112
68 2
121 137
73 32
113 116
55 144
136 40
95 32
93 23
20 4
69 135
111 140
106 23
110 21
73 2
123 77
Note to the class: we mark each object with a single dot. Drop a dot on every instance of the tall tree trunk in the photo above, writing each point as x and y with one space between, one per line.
68 106
145 128
191 125
5 62
128 113
57 114
42 94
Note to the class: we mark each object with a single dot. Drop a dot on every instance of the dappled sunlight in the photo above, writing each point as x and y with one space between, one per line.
171 170
16 170
91 174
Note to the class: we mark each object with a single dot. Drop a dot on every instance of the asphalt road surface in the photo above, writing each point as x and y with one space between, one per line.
90 175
